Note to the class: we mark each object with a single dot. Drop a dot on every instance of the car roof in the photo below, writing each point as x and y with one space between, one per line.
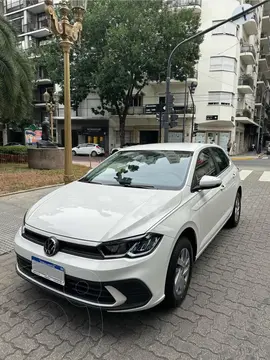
171 147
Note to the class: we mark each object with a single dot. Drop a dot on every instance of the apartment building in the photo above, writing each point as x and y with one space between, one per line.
231 76
233 70
29 19
231 97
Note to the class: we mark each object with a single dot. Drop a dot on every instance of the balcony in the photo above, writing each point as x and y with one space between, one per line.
35 6
265 47
13 6
245 116
248 54
263 66
251 26
195 5
261 81
266 24
246 84
37 30
42 77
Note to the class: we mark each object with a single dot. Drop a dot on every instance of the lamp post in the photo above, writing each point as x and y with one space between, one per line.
51 103
69 33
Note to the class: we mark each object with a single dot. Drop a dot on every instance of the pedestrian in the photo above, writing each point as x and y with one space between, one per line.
229 145
253 147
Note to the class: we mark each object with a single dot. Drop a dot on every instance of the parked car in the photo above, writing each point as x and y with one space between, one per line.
126 235
114 150
88 149
13 144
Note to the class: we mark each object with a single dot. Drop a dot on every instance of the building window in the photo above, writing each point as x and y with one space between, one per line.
136 101
223 63
220 98
225 29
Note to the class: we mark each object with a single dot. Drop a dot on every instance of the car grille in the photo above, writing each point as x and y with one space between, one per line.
136 292
66 247
81 289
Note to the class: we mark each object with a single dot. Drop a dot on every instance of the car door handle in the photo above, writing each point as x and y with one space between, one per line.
222 187
234 174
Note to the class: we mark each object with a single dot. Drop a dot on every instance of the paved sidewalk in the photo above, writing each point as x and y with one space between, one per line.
12 210
226 315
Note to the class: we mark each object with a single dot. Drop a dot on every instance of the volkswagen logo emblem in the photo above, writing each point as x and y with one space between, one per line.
51 246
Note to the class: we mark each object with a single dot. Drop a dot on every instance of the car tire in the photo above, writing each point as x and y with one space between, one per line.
175 291
236 214
74 153
93 153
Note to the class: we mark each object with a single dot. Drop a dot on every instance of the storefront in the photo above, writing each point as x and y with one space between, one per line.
220 138
86 131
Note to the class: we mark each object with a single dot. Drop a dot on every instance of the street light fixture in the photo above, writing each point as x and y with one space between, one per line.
51 104
69 34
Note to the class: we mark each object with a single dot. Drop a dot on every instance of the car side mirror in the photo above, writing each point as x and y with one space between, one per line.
208 182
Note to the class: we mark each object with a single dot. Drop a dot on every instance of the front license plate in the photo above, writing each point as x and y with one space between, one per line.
48 270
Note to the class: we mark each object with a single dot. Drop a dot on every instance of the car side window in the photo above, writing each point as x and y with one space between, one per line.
205 166
90 145
221 159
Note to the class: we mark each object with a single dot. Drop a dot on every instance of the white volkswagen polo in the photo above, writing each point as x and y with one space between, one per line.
126 235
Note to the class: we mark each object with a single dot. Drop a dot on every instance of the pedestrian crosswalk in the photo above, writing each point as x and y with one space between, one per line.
263 176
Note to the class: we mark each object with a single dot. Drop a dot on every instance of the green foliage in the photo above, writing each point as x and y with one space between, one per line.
13 150
125 45
16 75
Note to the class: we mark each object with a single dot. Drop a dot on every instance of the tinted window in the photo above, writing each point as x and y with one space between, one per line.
205 166
154 169
221 158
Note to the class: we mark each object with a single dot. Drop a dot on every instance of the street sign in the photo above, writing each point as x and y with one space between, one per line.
244 18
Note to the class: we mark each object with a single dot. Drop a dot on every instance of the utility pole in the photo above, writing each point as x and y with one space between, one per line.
185 110
195 36
260 129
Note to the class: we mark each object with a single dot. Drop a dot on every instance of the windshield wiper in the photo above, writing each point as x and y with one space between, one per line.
91 182
137 186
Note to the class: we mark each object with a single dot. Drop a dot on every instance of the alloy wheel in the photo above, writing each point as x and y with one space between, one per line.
182 272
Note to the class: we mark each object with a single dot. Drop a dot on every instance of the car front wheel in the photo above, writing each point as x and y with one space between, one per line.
179 273
236 214
74 153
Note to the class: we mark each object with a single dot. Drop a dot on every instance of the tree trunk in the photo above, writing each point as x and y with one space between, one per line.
5 134
122 125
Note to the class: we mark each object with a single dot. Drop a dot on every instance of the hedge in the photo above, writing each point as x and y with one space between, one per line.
13 150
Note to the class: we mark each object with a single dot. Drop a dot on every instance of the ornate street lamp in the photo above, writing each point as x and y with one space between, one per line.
51 104
69 33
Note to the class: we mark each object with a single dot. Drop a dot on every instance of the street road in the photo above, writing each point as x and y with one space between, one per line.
226 315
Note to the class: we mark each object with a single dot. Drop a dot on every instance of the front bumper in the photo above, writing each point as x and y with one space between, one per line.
113 285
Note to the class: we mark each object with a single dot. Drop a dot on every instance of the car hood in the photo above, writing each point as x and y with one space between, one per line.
101 213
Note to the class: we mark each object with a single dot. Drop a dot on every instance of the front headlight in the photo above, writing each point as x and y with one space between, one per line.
131 247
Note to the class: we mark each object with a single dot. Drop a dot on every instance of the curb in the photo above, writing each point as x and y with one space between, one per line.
29 190
243 158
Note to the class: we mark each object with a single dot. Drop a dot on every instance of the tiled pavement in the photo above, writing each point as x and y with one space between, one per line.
226 314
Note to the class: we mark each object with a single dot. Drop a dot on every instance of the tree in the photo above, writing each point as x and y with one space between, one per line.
16 76
126 45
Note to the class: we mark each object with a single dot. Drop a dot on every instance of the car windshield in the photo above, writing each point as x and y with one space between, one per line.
151 169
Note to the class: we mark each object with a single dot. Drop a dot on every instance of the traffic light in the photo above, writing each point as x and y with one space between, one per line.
196 126
174 120
171 102
192 88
